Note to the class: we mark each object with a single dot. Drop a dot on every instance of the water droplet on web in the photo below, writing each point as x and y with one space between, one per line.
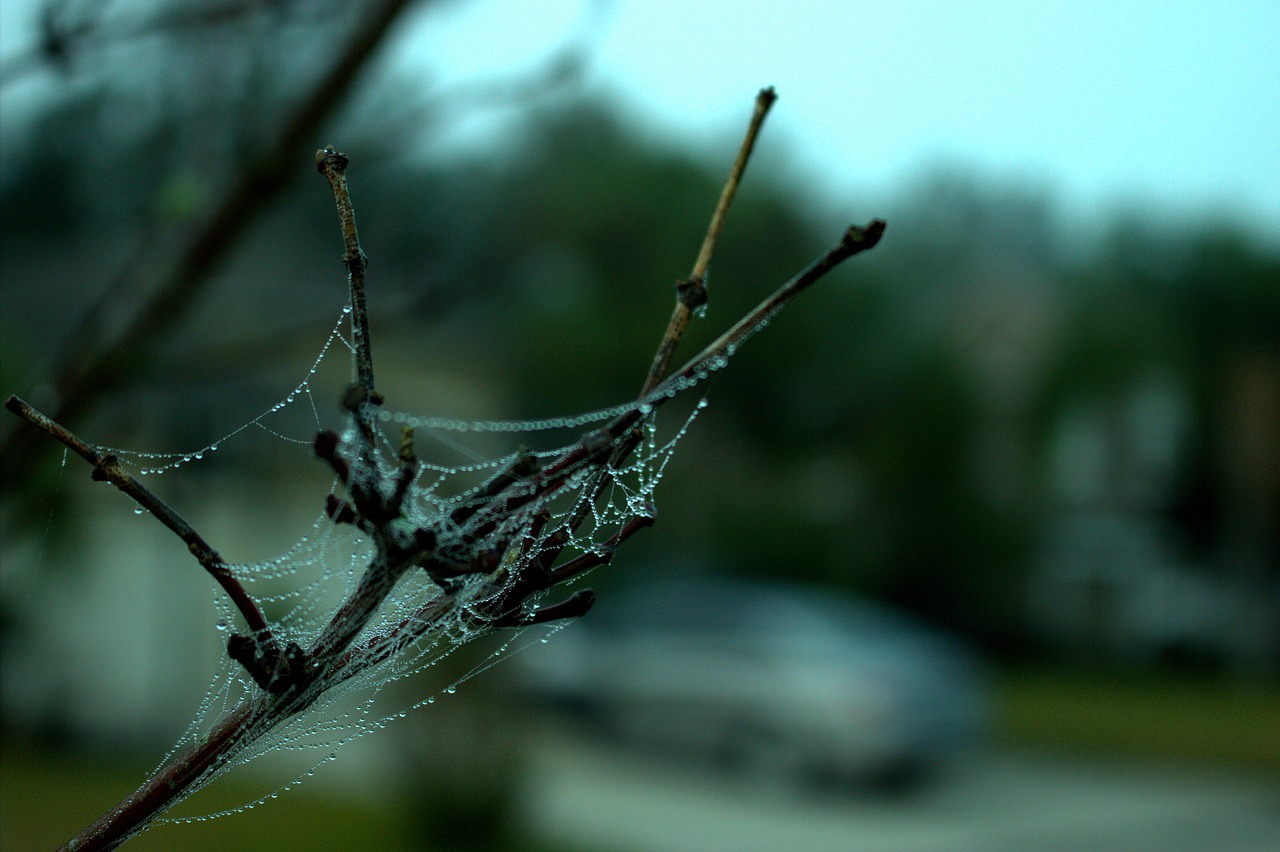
199 456
451 689
346 309
137 510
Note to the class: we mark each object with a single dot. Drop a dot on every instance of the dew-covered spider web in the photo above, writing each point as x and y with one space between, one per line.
423 620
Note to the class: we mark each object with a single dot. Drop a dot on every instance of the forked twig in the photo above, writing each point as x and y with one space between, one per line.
692 292
496 534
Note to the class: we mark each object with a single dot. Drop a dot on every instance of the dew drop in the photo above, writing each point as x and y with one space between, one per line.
451 689
137 510
199 456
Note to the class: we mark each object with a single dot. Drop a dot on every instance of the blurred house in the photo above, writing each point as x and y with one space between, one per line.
1113 579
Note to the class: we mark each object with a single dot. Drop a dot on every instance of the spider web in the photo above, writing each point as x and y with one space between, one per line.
302 587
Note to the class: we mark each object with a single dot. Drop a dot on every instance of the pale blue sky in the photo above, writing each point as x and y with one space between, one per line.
1172 106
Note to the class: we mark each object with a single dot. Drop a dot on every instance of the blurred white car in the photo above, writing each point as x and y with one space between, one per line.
781 685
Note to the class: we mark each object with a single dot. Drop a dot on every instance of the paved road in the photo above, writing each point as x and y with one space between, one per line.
585 797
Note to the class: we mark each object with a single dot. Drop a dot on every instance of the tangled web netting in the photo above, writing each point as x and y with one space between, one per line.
303 587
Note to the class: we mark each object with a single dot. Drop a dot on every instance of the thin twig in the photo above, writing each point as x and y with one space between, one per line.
692 292
764 100
107 468
855 240
333 165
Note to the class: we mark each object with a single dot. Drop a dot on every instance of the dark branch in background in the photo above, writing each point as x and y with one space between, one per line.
64 36
503 541
92 365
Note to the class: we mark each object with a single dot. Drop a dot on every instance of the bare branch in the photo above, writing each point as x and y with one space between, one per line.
176 779
692 292
333 165
107 468
855 240
502 524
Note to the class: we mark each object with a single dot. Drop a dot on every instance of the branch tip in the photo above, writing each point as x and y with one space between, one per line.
574 606
866 236
330 158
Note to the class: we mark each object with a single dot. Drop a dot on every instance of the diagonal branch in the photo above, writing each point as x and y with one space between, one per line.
107 468
692 292
856 239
